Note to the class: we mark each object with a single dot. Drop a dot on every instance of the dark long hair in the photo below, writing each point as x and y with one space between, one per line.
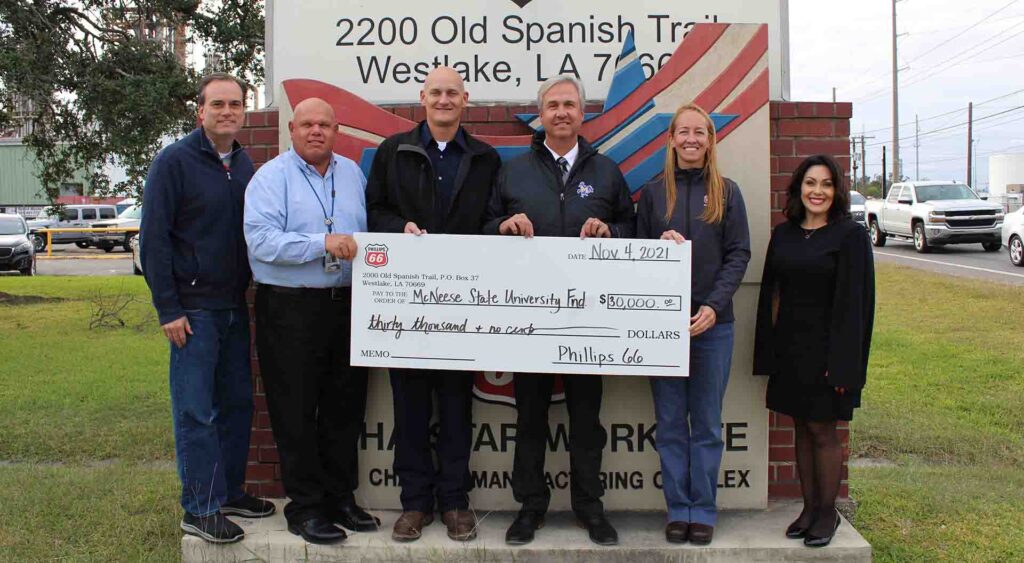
840 201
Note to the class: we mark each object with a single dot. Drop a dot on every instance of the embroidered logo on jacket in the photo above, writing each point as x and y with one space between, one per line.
584 190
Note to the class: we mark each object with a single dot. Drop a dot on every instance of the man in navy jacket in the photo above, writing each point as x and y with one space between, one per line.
195 262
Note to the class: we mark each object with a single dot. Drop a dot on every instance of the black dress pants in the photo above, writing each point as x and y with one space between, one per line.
587 439
316 400
423 485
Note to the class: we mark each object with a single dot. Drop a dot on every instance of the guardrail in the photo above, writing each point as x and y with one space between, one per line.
49 233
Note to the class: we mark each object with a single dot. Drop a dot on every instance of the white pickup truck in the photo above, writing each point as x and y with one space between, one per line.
935 214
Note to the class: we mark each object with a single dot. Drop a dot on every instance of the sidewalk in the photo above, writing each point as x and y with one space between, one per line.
739 536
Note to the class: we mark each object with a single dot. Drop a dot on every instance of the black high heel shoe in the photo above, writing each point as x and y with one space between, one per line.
795 531
822 541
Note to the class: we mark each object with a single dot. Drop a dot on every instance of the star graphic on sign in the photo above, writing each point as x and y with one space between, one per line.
648 124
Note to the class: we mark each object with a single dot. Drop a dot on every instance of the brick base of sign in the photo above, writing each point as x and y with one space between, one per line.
798 130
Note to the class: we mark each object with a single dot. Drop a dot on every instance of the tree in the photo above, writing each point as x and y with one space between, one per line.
102 81
872 188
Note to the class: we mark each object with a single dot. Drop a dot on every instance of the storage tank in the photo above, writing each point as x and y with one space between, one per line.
1003 170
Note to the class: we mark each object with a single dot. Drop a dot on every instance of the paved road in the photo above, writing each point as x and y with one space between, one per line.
71 261
964 260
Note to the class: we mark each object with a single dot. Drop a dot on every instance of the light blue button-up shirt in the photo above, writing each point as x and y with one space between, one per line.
284 221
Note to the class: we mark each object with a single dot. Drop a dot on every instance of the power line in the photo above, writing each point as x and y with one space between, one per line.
948 40
925 74
951 134
942 44
961 110
989 116
988 48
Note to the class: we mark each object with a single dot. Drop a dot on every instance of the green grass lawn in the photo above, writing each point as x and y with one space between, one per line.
86 470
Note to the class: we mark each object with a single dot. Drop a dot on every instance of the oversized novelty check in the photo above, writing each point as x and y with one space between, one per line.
511 304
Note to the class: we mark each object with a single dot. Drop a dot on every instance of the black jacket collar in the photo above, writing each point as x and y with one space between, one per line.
471 145
537 144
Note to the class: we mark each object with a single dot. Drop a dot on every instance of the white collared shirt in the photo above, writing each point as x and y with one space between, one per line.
569 156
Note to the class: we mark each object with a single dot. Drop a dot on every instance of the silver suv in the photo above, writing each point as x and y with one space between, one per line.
71 216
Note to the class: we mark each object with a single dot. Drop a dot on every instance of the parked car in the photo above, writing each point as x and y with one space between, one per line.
1013 236
934 214
131 217
16 250
857 207
71 216
136 256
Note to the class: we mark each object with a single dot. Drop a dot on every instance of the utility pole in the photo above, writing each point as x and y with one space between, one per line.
833 94
917 149
885 192
970 138
853 161
974 180
895 104
863 155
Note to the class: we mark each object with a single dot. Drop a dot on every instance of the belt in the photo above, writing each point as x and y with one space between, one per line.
334 293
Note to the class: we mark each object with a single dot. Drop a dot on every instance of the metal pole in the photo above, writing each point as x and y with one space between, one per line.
974 181
853 161
895 104
970 139
884 190
863 158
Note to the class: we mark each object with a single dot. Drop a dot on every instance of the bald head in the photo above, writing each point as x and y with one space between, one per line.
445 75
313 105
312 129
444 96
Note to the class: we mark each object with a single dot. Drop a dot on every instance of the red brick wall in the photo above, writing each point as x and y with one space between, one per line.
798 130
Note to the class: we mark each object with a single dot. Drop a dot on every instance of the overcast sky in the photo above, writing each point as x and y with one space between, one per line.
952 52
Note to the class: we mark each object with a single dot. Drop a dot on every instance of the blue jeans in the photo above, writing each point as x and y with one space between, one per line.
689 433
211 402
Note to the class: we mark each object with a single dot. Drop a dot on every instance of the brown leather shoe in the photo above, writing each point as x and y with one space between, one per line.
461 524
675 532
700 534
409 526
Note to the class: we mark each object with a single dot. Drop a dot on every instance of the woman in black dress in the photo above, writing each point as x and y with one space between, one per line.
814 325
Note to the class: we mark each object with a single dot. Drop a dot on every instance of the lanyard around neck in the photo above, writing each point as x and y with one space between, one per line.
328 219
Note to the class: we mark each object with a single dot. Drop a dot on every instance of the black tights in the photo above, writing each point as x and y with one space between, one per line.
819 462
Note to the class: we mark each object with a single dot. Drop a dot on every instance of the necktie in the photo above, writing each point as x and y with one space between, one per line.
563 164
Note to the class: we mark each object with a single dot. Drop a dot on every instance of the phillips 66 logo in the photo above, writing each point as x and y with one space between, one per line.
376 255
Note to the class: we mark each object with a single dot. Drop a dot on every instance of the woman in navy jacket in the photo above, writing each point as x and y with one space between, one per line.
692 201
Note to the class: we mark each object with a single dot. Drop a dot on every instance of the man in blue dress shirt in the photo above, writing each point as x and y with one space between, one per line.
301 209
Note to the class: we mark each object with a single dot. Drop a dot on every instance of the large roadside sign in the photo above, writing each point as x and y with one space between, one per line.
503 48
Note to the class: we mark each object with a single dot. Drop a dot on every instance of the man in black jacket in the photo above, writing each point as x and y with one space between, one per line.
194 258
435 178
561 187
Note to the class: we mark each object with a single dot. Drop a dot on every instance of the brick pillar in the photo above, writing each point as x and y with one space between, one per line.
798 130
263 475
